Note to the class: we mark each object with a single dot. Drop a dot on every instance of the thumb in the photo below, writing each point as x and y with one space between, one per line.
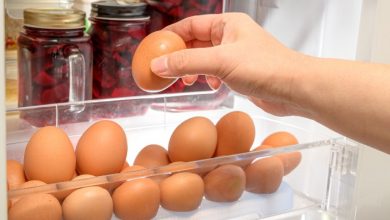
187 62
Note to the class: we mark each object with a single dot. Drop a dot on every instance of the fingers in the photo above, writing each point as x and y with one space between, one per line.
188 62
201 27
198 44
213 82
189 80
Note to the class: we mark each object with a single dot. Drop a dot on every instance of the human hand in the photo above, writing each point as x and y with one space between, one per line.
233 48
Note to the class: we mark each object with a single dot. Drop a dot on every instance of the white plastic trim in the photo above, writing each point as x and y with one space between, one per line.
3 184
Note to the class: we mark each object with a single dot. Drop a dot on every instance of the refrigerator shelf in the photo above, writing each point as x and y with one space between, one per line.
322 185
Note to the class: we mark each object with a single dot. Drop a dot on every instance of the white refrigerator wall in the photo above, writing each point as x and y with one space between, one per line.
373 192
328 28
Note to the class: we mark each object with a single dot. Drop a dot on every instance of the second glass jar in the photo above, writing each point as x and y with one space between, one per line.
116 31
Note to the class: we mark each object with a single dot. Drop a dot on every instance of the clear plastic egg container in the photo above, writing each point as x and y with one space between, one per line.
321 187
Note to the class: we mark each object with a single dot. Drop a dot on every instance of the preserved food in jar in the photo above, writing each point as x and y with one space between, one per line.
54 59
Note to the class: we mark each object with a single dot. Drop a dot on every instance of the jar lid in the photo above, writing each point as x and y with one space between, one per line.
54 18
15 8
118 9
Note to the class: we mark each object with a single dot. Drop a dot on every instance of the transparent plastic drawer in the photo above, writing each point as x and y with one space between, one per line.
321 187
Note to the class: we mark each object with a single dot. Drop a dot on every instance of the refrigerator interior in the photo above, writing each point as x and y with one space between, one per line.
324 184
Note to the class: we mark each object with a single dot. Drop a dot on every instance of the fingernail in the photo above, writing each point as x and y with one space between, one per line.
213 83
187 82
159 65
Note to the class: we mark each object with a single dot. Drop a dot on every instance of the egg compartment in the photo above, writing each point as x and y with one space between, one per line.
322 186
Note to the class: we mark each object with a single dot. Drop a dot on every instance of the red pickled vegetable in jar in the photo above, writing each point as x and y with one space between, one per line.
54 60
116 30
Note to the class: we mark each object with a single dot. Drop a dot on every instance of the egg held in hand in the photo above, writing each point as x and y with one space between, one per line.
152 46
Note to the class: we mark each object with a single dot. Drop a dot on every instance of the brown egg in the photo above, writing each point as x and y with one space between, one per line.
194 168
152 156
101 149
137 199
49 156
225 184
126 164
236 133
264 175
31 183
193 139
8 201
83 176
36 207
182 192
127 169
132 168
172 167
60 195
154 45
290 161
88 203
107 186
263 147
28 184
15 174
280 139
244 163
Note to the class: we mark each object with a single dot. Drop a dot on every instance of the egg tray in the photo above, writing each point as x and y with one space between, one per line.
322 183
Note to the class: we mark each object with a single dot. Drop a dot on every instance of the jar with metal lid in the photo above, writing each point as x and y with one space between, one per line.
13 21
54 57
116 30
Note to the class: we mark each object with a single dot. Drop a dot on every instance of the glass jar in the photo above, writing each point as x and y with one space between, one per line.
13 21
54 58
116 30
165 12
